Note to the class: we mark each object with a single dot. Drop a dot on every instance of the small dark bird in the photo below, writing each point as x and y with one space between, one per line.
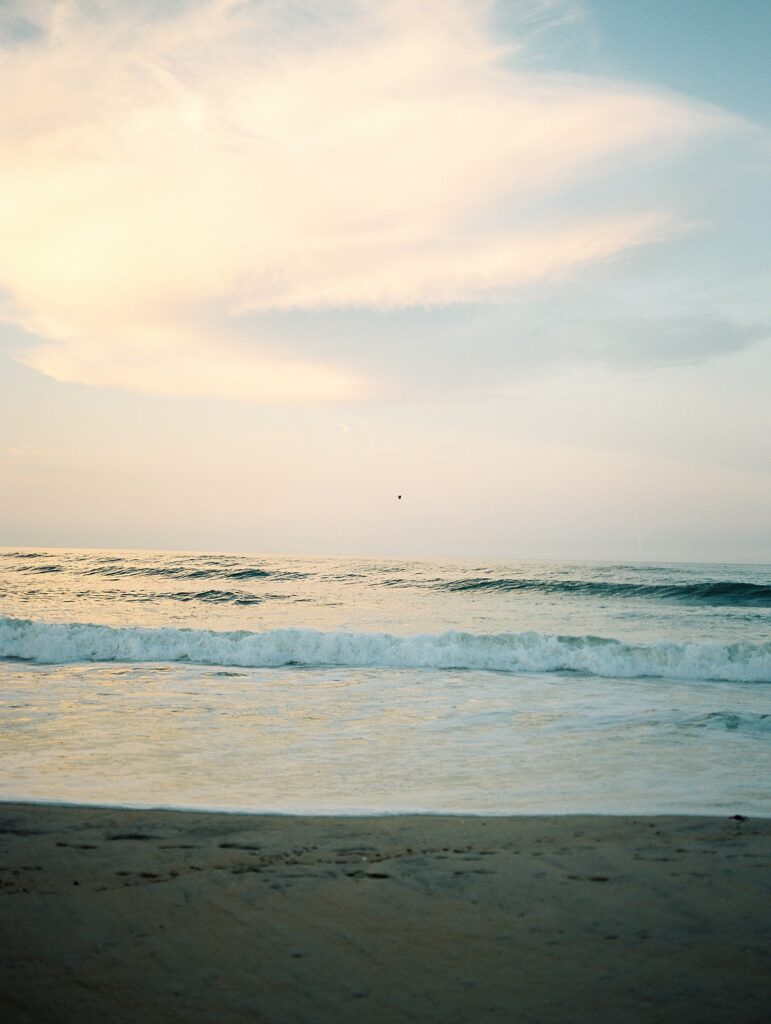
399 497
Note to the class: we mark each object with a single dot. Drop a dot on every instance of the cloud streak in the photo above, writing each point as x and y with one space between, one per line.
165 172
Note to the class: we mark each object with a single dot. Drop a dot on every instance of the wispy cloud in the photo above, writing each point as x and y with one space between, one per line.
162 171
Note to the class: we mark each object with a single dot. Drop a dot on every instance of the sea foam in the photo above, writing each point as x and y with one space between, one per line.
61 643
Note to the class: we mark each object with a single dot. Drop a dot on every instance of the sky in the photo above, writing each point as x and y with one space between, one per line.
266 265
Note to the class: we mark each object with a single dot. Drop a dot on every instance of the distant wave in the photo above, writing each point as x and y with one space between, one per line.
708 591
51 567
114 569
222 597
714 592
239 597
24 554
52 643
182 572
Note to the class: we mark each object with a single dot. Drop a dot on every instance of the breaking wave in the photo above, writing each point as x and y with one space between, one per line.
60 643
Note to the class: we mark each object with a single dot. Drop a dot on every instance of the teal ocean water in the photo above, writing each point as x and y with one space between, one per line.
328 685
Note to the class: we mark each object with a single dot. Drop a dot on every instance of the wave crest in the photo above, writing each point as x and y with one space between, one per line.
60 643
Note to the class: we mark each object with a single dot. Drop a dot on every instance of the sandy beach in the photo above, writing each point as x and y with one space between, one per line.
127 916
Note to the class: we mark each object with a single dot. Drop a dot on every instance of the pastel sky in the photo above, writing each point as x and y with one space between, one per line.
265 265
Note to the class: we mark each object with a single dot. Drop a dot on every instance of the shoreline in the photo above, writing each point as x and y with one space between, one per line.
173 915
731 814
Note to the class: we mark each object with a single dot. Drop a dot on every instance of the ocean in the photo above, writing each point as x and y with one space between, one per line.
345 686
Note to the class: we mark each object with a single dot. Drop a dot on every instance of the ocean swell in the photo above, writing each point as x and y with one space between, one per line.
183 572
61 643
720 592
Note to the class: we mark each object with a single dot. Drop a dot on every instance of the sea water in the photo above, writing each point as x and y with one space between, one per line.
327 685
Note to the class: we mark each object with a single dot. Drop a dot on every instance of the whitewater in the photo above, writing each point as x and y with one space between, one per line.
61 643
249 682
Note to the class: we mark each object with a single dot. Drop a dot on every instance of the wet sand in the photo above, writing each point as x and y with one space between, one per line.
111 916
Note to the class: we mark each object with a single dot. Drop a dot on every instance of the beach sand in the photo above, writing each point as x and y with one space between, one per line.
112 916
